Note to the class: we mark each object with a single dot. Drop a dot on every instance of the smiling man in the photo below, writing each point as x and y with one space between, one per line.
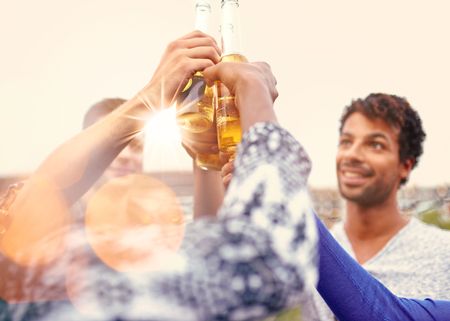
380 143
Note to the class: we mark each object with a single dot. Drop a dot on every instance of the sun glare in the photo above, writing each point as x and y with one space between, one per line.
163 149
162 128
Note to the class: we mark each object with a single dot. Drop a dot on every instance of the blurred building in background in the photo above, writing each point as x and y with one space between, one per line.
430 204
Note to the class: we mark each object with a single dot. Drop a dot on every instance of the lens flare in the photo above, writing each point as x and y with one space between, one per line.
132 221
39 220
163 127
163 151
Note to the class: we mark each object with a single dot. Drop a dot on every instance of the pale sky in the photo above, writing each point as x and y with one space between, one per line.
58 57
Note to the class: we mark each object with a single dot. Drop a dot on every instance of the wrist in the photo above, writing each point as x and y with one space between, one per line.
257 111
121 125
147 99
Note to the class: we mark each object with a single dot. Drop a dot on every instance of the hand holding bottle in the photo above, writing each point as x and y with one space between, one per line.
254 88
182 58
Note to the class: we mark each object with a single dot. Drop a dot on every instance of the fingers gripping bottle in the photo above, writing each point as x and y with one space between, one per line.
195 109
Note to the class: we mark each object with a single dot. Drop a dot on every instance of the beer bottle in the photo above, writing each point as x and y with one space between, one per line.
229 131
195 110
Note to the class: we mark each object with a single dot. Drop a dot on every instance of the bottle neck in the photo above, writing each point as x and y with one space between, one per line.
202 15
230 28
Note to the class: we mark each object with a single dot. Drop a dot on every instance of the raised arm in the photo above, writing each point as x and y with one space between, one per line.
40 210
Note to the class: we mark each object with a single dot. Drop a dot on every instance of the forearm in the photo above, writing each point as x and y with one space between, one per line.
208 192
40 213
353 294
78 163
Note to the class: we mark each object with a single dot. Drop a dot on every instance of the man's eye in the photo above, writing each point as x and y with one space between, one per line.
377 145
344 142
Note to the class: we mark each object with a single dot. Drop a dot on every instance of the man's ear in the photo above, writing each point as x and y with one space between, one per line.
406 168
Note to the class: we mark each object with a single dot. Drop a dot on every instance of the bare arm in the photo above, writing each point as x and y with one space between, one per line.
208 188
41 208
208 192
40 213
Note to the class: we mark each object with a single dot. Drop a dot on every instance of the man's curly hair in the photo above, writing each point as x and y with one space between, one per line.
397 112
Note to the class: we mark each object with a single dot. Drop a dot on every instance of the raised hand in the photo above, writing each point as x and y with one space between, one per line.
253 85
182 58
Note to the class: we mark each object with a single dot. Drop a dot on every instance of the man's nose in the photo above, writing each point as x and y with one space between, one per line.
125 155
354 152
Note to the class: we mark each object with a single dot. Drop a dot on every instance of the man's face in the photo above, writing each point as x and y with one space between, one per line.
367 163
129 161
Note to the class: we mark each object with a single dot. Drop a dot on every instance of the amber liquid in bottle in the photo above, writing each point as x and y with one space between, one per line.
229 132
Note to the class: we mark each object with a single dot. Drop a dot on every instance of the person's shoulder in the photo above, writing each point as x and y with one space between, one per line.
432 244
430 232
428 228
